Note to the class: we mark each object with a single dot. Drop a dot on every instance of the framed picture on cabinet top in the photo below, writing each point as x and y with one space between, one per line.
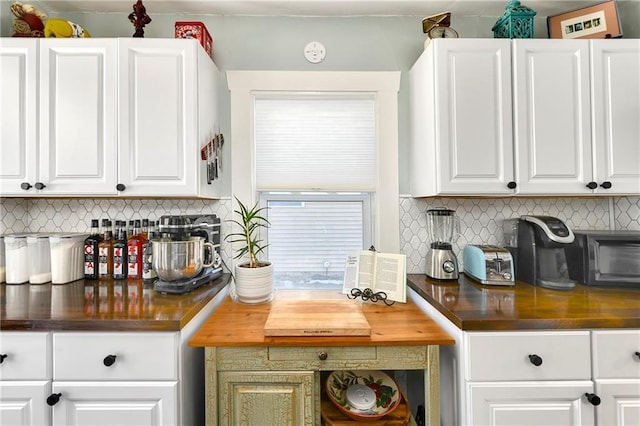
598 21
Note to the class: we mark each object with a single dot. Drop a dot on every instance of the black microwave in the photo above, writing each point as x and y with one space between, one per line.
605 258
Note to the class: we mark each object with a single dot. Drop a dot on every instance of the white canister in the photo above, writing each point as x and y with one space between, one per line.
16 259
39 259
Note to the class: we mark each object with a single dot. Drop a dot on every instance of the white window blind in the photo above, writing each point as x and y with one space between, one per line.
315 142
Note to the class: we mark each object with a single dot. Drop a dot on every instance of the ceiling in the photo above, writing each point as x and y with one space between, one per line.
317 7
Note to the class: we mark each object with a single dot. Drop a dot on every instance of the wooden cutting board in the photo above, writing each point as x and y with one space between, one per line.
316 318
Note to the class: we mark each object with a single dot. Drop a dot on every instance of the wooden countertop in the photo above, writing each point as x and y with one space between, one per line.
472 306
402 324
100 306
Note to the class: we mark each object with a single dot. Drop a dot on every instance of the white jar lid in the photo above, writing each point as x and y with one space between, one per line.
361 397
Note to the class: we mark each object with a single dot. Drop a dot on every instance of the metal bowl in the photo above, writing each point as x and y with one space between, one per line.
179 260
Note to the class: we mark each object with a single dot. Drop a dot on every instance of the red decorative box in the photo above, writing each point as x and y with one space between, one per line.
197 30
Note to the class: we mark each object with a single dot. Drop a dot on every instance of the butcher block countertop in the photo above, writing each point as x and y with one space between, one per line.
237 324
104 305
472 306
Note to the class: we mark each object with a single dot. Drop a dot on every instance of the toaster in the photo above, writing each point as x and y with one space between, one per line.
490 265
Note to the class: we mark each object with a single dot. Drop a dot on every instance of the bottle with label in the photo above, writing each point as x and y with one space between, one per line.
120 251
135 247
91 252
105 253
148 273
145 228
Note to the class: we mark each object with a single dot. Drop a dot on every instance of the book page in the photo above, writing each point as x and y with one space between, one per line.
358 271
390 276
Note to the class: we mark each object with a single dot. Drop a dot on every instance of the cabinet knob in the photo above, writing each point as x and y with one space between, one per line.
592 398
3 356
637 354
109 360
40 185
535 360
26 186
53 399
121 187
606 184
322 356
512 185
592 185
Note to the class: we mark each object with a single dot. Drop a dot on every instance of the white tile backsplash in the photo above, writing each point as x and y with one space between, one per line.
481 218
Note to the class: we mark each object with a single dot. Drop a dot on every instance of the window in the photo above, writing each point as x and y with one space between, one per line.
310 145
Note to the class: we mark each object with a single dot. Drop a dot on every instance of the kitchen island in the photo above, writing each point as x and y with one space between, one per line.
258 380
530 355
102 352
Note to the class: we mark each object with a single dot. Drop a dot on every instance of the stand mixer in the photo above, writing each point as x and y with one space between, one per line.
182 229
442 226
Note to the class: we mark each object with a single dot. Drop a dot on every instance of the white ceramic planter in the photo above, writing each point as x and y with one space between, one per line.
254 285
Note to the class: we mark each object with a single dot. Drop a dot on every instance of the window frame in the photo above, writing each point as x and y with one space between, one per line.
383 85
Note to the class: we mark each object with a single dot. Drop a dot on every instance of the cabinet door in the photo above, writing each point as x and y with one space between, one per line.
266 398
18 111
552 118
158 117
473 116
620 404
23 403
616 120
530 404
116 403
78 116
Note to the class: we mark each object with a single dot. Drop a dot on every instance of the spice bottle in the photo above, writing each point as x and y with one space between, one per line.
91 251
120 251
135 247
105 253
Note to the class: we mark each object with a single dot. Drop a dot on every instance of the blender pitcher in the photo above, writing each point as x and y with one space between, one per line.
443 226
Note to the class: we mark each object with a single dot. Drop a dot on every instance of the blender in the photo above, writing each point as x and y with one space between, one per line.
442 226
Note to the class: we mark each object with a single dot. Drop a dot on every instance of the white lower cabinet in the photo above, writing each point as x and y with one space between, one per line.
25 378
530 403
115 378
533 378
116 403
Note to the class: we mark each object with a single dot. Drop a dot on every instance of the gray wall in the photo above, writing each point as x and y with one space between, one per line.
276 43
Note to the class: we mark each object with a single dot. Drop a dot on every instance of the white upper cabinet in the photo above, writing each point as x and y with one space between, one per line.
106 117
166 113
526 117
552 116
78 145
18 114
461 121
615 68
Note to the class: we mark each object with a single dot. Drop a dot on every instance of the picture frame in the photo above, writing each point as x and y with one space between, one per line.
595 22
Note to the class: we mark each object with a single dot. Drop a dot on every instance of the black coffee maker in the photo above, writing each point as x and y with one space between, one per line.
540 258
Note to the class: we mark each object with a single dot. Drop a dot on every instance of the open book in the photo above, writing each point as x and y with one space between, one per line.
377 271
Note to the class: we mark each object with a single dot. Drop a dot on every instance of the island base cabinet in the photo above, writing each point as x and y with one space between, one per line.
267 398
531 404
22 403
116 403
620 402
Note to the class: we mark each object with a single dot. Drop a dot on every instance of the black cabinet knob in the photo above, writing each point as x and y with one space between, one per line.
109 360
121 187
40 185
535 360
637 354
322 356
3 356
592 398
53 399
512 185
592 185
26 186
606 184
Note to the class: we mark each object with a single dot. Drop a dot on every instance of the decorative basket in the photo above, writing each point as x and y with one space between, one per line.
517 22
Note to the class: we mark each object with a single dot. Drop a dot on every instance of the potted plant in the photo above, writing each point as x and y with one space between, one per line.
253 277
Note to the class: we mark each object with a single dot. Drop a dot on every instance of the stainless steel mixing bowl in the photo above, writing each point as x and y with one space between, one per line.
180 260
